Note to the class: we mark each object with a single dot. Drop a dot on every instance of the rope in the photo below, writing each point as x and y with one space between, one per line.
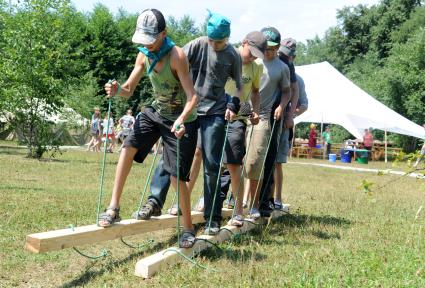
139 246
272 174
102 254
241 177
149 176
189 259
178 188
218 175
262 167
102 175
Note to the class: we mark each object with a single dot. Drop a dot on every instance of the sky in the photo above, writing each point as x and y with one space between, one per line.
301 19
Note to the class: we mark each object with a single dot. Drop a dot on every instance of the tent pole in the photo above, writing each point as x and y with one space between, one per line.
321 137
386 145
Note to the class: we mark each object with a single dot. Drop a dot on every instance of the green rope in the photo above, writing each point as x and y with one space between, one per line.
102 175
178 187
139 246
103 253
149 176
218 174
189 259
262 167
241 178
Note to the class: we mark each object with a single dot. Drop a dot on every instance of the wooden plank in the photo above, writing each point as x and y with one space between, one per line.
149 266
67 238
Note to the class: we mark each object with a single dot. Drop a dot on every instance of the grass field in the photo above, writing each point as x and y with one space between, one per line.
336 236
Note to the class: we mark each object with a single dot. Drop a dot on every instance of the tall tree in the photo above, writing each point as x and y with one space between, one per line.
38 68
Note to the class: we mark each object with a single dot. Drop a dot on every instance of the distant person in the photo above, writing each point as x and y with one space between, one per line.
126 122
327 141
109 132
421 156
368 142
95 131
312 140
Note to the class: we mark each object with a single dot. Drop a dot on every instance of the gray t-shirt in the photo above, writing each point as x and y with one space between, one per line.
275 77
302 99
210 71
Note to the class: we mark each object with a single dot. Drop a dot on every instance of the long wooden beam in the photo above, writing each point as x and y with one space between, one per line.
67 238
149 266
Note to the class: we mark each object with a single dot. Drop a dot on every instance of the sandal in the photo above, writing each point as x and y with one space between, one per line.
236 221
173 210
147 211
109 218
187 239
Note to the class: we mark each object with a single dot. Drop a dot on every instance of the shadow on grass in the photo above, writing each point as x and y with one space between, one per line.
300 220
241 248
91 272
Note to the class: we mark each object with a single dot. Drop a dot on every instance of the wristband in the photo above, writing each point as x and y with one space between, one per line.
234 105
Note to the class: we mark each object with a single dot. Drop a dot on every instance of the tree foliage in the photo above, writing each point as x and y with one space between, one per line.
381 49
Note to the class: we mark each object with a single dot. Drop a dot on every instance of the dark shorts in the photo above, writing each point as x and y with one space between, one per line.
149 127
235 144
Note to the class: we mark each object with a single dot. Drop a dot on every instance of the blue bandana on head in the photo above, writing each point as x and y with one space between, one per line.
218 26
166 46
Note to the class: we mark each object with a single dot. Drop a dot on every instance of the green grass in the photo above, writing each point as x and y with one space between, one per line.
336 236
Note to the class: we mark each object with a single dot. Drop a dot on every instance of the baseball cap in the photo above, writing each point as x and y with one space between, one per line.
218 26
149 24
288 47
272 35
257 43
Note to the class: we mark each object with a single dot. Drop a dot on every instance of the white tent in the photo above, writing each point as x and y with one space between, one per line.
332 98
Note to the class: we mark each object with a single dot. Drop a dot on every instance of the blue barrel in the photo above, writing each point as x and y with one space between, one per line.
332 157
346 157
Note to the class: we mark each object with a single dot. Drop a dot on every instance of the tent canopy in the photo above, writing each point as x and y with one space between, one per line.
332 98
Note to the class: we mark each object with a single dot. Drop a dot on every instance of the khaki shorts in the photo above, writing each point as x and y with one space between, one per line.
257 149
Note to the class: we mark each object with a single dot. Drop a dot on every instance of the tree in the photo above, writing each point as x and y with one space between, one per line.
38 69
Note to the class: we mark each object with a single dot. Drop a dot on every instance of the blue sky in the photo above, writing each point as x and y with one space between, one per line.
301 19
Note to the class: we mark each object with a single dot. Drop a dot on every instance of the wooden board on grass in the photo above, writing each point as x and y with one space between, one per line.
149 266
67 238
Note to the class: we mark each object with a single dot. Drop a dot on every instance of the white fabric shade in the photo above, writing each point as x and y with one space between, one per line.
332 98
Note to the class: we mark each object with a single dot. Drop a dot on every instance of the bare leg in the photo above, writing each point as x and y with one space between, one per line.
184 203
91 143
237 186
194 170
123 168
254 187
278 176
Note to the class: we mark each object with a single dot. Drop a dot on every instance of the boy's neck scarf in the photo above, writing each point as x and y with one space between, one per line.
166 46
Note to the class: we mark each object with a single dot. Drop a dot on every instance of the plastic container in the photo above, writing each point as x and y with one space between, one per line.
346 157
332 157
362 160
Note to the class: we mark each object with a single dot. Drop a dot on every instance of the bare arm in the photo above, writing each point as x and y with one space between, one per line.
180 64
286 95
255 100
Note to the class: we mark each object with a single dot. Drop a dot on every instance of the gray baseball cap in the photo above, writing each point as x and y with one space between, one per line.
288 47
149 24
257 43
